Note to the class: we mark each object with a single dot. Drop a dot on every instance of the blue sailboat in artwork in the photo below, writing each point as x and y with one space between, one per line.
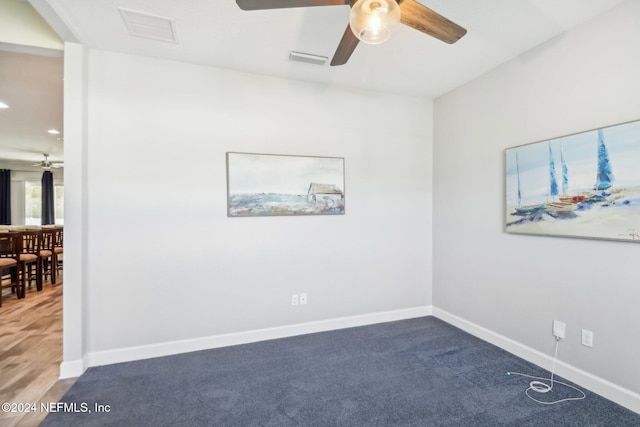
553 183
565 183
604 177
554 207
518 174
565 172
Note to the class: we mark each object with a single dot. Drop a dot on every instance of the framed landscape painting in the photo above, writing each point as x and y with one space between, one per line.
583 185
272 185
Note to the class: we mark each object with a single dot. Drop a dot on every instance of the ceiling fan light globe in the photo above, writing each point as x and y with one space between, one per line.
372 20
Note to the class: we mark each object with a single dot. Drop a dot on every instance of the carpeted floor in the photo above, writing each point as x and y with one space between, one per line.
417 372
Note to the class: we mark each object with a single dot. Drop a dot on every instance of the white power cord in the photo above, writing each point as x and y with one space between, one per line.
541 387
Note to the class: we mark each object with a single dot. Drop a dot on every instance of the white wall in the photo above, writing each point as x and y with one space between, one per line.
75 314
516 285
165 263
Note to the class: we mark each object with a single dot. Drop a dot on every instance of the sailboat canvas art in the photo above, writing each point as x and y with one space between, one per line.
599 192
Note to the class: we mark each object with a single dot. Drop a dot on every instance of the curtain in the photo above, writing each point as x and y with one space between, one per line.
48 206
5 197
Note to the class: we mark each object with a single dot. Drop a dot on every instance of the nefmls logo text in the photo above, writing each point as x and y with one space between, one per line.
74 407
64 407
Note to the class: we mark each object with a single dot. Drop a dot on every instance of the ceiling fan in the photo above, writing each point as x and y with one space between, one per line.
47 164
370 20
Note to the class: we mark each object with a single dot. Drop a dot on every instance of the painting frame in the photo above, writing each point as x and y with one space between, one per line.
581 185
260 185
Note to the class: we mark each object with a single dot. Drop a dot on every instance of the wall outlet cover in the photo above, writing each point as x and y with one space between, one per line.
587 338
559 329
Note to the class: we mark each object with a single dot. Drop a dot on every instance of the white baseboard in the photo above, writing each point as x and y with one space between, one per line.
608 390
73 368
204 343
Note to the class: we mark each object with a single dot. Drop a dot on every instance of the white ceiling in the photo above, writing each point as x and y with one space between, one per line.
32 87
219 33
31 71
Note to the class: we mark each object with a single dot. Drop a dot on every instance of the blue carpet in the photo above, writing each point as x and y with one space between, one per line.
417 372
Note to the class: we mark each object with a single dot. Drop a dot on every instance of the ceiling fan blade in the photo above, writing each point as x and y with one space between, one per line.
429 22
347 45
283 4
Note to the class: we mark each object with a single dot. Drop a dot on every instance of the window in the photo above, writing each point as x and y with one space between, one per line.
33 203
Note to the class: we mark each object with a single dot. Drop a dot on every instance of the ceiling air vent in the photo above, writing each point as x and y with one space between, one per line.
149 26
307 57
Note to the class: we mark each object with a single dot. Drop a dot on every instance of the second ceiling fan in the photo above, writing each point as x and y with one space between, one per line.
369 20
47 164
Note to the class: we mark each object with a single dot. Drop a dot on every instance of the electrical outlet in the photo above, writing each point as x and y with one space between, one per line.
559 329
587 338
303 299
294 299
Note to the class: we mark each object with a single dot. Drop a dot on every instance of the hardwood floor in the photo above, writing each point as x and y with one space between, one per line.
31 353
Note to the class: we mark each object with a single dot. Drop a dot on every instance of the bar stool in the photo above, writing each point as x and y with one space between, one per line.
46 263
30 258
9 253
58 249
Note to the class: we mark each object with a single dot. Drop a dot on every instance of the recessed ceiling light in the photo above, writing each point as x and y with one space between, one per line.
54 132
3 105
